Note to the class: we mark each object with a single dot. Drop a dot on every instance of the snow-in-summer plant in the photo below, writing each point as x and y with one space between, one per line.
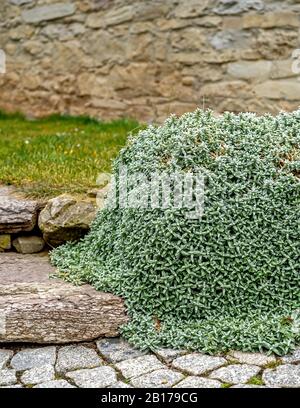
228 280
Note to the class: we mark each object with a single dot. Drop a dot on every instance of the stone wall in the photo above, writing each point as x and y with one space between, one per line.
147 58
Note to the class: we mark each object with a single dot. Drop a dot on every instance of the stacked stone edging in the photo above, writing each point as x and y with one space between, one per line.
113 363
28 225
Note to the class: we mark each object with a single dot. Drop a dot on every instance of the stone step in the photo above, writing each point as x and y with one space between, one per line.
37 309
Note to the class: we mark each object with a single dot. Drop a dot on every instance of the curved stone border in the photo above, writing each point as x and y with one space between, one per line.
113 363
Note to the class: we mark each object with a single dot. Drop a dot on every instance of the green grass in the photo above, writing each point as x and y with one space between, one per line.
272 365
226 385
58 154
256 380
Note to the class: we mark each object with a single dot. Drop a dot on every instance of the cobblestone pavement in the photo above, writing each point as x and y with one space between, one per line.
113 363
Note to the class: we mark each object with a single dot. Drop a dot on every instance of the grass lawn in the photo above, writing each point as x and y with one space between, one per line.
58 154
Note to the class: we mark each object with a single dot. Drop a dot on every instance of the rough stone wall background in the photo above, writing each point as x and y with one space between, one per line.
148 58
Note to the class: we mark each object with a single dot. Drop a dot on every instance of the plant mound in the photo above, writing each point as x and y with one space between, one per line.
228 280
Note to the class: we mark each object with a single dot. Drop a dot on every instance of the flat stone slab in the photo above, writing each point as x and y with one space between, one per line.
16 212
37 309
21 268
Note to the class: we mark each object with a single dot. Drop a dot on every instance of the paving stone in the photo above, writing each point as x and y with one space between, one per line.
198 382
168 355
120 384
55 384
5 355
292 358
235 373
30 358
116 350
8 377
286 376
197 364
71 358
248 386
99 377
251 358
135 367
157 379
38 375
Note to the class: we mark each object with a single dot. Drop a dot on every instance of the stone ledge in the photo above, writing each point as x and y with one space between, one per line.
35 309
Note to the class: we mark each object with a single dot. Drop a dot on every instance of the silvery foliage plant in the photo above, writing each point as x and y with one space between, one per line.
229 279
